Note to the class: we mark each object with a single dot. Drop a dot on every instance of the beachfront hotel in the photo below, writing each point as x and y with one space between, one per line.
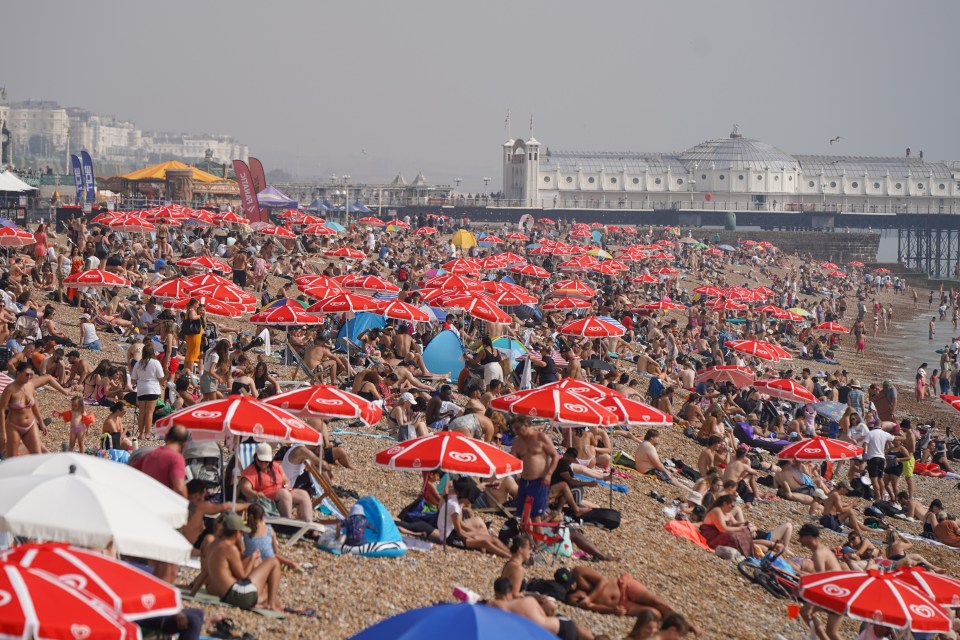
729 173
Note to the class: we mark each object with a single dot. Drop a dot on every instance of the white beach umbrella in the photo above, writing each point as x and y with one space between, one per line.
74 509
117 480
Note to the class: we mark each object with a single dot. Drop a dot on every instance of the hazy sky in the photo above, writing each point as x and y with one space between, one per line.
369 89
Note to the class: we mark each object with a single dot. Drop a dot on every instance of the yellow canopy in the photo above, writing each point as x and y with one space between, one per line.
464 239
159 172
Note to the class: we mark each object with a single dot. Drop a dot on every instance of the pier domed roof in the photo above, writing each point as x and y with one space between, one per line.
738 153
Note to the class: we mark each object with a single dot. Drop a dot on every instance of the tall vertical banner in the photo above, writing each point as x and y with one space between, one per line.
248 193
88 176
77 177
259 179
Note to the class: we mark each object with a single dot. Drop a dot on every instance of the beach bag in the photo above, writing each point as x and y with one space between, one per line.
509 530
419 510
686 470
608 519
191 326
888 508
550 588
624 459
269 507
830 521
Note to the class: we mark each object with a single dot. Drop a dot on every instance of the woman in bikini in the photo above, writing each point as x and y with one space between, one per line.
19 414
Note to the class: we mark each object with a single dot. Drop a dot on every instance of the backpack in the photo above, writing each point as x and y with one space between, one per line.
402 275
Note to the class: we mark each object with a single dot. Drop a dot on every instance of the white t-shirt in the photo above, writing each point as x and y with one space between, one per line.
210 361
876 441
858 433
147 377
445 516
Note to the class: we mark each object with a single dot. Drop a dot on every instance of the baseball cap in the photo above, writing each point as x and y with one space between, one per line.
408 397
264 452
233 522
810 530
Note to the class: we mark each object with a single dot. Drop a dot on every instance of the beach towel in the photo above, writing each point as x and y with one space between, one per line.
619 488
685 529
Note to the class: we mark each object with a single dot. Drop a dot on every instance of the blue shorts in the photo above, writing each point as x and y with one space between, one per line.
532 489
93 346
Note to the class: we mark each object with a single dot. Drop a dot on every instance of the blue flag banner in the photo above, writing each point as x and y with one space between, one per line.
88 175
77 177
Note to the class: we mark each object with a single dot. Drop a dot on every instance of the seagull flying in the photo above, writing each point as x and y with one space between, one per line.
837 139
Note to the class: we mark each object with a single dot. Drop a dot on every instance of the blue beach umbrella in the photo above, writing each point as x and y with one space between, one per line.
726 247
512 348
336 226
464 621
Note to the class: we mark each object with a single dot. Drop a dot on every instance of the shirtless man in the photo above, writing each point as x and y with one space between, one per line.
197 510
318 355
646 364
715 454
742 473
789 487
622 596
529 607
241 582
439 412
648 460
540 460
835 505
823 559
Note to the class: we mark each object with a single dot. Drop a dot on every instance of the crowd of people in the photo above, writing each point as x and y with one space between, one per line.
128 353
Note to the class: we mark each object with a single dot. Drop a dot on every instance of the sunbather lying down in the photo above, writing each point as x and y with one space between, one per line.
625 595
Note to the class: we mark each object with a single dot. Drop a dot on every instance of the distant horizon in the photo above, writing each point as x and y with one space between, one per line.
369 90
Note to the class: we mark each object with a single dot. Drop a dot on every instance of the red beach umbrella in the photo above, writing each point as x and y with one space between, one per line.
286 316
709 291
739 376
874 596
280 232
240 416
37 604
230 218
372 221
759 349
645 278
318 230
127 223
369 283
855 263
953 401
819 448
347 253
788 390
831 327
171 289
403 311
344 302
204 262
512 298
574 288
556 405
225 293
212 306
942 589
329 402
583 388
132 593
591 327
425 231
491 239
95 278
516 235
531 270
635 413
452 452
462 266
566 304
453 282
482 308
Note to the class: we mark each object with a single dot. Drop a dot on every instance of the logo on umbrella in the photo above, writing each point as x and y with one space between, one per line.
148 600
257 429
417 464
463 457
202 414
332 402
393 450
74 580
811 450
922 610
834 590
575 408
80 631
5 598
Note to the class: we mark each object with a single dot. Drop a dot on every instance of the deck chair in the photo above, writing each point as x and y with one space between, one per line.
291 358
545 535
29 326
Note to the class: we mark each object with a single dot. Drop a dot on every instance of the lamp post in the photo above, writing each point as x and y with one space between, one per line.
693 189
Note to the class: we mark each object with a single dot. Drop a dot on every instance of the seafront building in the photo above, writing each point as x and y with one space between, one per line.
730 173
